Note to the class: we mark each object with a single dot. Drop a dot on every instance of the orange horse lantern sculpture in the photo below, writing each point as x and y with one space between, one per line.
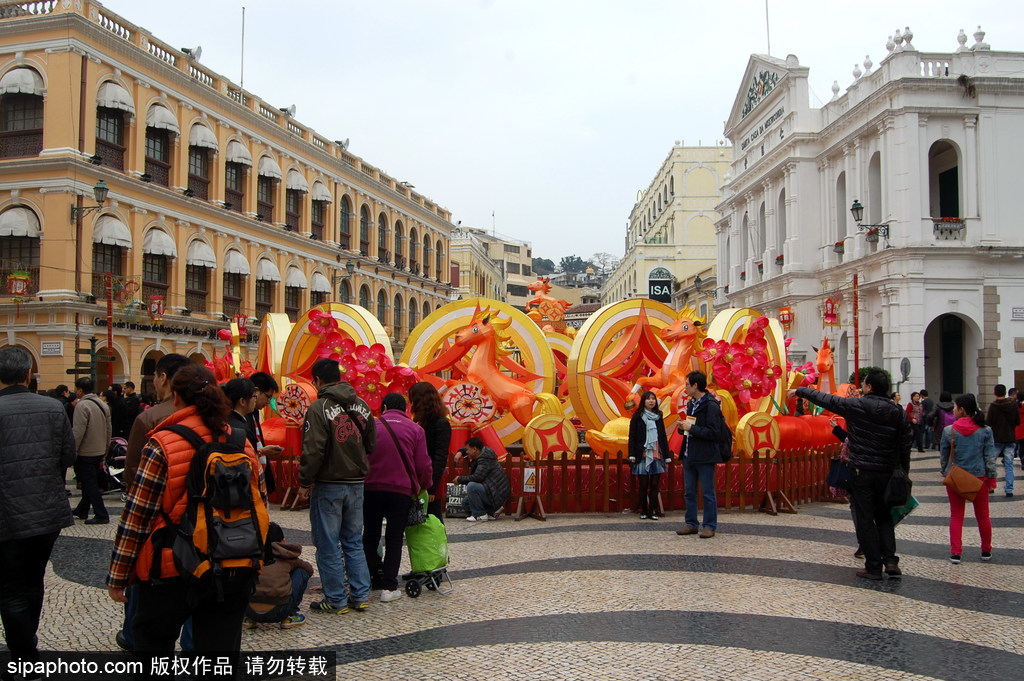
549 306
825 365
683 337
487 335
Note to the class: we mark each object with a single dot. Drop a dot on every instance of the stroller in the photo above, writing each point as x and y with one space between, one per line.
428 558
112 468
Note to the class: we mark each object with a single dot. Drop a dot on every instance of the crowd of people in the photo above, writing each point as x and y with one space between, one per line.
361 475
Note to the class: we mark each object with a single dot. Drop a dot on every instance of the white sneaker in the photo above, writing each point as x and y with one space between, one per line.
484 518
388 596
471 519
489 517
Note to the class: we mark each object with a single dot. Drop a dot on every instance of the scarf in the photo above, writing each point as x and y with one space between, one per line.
651 419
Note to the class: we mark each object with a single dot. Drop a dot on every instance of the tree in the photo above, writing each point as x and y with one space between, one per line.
543 266
604 263
572 263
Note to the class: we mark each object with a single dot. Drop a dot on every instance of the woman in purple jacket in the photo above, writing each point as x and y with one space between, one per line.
399 469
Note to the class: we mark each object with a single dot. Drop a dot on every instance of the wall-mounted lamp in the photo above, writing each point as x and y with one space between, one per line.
99 192
857 210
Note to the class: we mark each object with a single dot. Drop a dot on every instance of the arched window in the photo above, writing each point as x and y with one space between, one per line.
21 113
414 251
345 292
318 212
364 297
944 180
267 278
413 311
113 103
202 144
295 190
428 248
237 162
236 269
19 252
398 316
157 251
842 209
399 245
364 230
111 240
199 262
161 129
382 306
383 252
345 236
781 227
426 309
268 175
439 259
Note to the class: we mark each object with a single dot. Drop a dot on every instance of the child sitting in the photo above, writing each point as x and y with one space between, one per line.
281 584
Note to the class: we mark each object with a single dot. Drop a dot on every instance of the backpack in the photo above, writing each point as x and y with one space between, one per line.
725 442
225 521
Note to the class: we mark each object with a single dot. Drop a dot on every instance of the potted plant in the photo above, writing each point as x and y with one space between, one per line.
743 275
839 247
780 260
760 267
871 236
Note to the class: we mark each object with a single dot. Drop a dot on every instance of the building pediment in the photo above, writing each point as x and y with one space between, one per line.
763 81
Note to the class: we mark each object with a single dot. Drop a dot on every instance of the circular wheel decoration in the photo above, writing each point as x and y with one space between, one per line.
547 434
612 345
434 335
467 403
731 325
294 401
354 322
757 431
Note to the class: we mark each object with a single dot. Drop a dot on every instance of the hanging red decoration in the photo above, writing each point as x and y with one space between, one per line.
786 317
18 282
831 316
156 308
240 320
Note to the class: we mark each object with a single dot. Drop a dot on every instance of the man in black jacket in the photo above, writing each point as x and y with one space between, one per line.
880 437
701 451
36 446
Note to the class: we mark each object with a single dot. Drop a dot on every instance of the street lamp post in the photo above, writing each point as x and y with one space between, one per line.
857 210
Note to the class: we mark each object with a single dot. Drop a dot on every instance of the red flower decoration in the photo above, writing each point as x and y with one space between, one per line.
712 349
400 379
336 346
369 387
322 323
372 358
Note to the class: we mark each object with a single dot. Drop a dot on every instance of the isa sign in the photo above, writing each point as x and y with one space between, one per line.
660 290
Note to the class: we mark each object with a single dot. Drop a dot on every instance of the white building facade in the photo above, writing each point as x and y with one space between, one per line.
930 145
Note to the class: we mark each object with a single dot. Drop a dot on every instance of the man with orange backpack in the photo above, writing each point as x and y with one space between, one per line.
173 524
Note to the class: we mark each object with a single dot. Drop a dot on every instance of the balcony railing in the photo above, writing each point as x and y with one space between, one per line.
947 228
21 143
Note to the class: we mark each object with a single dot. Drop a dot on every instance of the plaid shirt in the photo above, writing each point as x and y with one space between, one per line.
142 510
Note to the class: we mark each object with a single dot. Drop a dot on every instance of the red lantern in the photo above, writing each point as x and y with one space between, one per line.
831 317
17 283
786 317
240 320
156 308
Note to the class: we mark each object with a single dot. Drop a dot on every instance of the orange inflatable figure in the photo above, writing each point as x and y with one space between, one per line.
487 335
683 337
825 365
550 307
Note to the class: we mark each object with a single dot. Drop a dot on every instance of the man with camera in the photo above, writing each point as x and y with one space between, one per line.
487 486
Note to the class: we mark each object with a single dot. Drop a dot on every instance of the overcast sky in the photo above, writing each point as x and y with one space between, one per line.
550 114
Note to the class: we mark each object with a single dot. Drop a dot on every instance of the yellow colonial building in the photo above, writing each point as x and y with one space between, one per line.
217 204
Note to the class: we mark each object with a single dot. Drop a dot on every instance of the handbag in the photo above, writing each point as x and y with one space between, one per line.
417 509
964 483
901 512
838 474
897 490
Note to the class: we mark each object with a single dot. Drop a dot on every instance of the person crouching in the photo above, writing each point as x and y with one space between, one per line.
281 585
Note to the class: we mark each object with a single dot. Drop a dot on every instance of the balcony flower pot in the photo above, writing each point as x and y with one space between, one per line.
780 260
743 275
947 228
760 268
839 247
871 236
